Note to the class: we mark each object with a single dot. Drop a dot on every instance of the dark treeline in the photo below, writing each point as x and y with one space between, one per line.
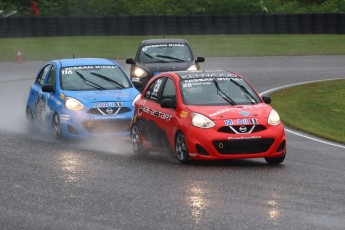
165 7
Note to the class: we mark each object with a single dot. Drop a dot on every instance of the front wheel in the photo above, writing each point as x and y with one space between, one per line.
56 127
181 148
137 145
275 160
30 119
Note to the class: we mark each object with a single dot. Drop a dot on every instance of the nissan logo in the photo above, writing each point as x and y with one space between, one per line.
109 110
243 129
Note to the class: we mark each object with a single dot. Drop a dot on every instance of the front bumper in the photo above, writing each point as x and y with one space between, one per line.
81 124
216 145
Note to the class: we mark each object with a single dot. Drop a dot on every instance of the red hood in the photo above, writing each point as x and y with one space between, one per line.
231 112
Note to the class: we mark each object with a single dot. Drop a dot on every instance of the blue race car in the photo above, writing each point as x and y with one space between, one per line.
81 97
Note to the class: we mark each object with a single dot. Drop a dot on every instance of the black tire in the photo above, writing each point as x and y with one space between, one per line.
30 120
137 145
181 148
56 127
275 160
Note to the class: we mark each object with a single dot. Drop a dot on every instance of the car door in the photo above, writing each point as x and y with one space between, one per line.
51 101
158 121
148 112
167 122
37 98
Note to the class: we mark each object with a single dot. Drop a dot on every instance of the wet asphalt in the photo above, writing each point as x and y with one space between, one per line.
101 184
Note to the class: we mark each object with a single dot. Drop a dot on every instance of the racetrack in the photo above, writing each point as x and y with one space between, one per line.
100 184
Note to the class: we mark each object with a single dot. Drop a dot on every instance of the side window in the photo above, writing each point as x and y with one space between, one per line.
52 76
42 75
169 90
153 90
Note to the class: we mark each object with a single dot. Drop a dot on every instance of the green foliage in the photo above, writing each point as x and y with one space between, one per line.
315 108
171 7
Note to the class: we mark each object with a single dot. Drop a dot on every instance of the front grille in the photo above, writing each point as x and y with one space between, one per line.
109 110
237 128
106 126
243 146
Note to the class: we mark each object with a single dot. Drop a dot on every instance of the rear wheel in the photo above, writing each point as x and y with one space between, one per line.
275 160
181 148
57 127
137 145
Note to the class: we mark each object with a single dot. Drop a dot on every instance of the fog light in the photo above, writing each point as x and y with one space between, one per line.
201 150
281 147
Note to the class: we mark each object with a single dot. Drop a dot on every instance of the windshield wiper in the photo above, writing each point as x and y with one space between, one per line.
245 91
171 57
117 84
94 85
154 58
223 95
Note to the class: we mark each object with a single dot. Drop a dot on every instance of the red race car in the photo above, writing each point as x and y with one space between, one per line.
207 115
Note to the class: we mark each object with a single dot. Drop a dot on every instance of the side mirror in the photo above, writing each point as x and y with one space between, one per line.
48 88
266 99
200 59
168 103
130 61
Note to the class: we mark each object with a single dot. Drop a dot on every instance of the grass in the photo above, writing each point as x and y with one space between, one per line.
120 47
316 108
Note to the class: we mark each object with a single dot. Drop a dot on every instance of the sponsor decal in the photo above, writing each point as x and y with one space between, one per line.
245 121
161 45
93 94
110 117
144 109
64 117
244 138
69 70
244 113
233 109
105 104
221 76
183 114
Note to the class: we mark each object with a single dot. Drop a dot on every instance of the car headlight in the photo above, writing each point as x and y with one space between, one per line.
139 72
201 121
273 118
135 99
73 104
193 67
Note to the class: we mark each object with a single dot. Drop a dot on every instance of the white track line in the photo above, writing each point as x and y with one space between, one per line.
297 133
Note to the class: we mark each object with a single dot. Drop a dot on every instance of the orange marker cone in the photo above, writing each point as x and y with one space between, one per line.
18 57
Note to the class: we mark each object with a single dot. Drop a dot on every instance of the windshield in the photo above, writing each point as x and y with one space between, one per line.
94 77
217 91
172 52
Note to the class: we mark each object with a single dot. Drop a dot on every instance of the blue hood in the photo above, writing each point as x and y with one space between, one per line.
86 97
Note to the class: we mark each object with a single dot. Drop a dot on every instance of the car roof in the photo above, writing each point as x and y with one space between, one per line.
84 61
205 73
163 41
